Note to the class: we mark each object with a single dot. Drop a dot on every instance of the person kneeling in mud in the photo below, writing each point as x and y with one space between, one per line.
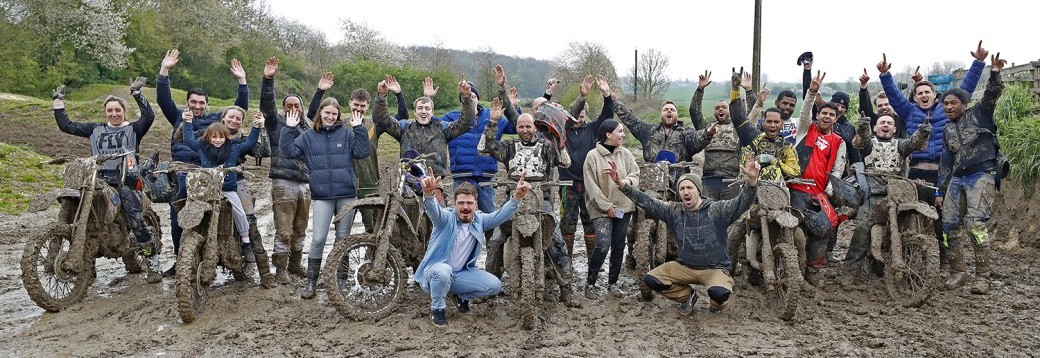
699 224
450 263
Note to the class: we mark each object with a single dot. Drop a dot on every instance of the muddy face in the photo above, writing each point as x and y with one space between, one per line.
465 207
424 111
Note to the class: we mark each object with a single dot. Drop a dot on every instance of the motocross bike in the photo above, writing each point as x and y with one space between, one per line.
366 277
58 264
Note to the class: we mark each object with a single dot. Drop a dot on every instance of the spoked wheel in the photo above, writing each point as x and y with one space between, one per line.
642 252
46 279
191 281
353 288
783 295
527 287
133 260
912 284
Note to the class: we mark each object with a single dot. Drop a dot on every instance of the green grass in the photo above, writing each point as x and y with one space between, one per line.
21 176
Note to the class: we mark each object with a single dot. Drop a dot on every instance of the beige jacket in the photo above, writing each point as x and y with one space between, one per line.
600 192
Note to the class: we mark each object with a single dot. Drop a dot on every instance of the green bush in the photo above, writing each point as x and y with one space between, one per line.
1019 133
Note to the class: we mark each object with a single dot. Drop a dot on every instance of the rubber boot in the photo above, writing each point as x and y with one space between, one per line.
313 267
958 270
281 272
980 286
569 240
295 258
567 297
590 245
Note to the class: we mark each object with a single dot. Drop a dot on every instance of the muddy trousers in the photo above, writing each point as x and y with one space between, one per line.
175 206
610 237
467 284
818 228
324 211
931 177
291 204
716 189
969 201
673 279
571 211
132 208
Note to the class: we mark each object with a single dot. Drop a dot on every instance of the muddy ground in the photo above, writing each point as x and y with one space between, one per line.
849 314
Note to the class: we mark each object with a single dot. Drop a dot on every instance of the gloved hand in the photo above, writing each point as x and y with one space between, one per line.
136 84
863 126
58 97
765 159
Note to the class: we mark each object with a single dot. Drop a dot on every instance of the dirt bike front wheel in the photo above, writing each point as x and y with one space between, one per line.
191 285
353 288
783 295
912 284
44 275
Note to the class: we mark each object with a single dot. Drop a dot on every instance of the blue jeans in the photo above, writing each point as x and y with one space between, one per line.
175 229
468 284
323 212
485 194
973 196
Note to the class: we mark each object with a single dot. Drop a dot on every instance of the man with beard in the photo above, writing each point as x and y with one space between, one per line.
533 156
670 134
581 138
425 134
882 154
969 175
884 107
198 105
821 154
722 154
450 263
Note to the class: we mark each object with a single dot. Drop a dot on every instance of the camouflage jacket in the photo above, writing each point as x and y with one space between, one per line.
888 156
432 137
722 154
684 142
970 142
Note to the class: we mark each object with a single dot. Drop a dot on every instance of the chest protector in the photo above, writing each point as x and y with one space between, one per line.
884 158
527 159
725 140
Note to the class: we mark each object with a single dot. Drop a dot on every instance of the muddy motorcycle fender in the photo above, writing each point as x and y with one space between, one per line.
784 219
191 214
921 207
527 225
44 201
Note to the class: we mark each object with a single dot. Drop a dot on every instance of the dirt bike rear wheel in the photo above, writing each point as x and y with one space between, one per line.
527 288
47 282
191 285
349 288
913 286
784 296
642 252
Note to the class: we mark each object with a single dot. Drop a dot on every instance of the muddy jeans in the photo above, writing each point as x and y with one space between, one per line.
247 197
716 189
678 278
175 205
468 284
969 199
291 203
610 237
324 211
132 208
573 208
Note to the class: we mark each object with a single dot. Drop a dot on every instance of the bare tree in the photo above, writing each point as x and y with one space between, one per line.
431 57
361 41
484 78
945 67
651 81
582 58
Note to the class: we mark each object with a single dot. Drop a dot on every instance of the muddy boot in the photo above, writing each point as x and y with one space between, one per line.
567 297
980 286
247 252
313 267
295 257
263 265
958 274
281 271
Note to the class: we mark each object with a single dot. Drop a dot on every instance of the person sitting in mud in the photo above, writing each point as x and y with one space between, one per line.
116 136
722 154
330 149
425 134
699 224
821 154
969 176
216 149
198 105
450 263
883 153
534 156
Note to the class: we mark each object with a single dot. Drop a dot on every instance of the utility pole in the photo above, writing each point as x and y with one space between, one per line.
635 77
756 52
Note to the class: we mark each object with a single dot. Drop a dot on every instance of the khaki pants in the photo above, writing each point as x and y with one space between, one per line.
678 277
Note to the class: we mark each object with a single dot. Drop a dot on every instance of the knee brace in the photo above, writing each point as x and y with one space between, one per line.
654 283
719 294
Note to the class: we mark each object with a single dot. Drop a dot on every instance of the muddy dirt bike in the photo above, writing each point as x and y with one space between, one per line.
902 238
531 232
58 265
773 224
654 243
209 238
366 273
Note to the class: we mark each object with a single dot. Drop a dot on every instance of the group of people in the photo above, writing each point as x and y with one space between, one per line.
326 158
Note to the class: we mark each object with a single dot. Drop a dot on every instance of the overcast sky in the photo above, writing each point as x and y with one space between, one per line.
844 36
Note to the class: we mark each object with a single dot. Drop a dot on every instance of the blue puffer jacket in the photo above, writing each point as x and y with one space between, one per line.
463 150
164 97
915 115
238 147
330 154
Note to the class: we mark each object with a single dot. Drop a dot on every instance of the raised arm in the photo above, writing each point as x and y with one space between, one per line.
641 130
805 116
188 133
267 100
163 94
902 106
326 82
361 147
696 113
994 88
381 116
242 100
66 125
469 114
290 143
501 151
971 79
144 123
865 104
